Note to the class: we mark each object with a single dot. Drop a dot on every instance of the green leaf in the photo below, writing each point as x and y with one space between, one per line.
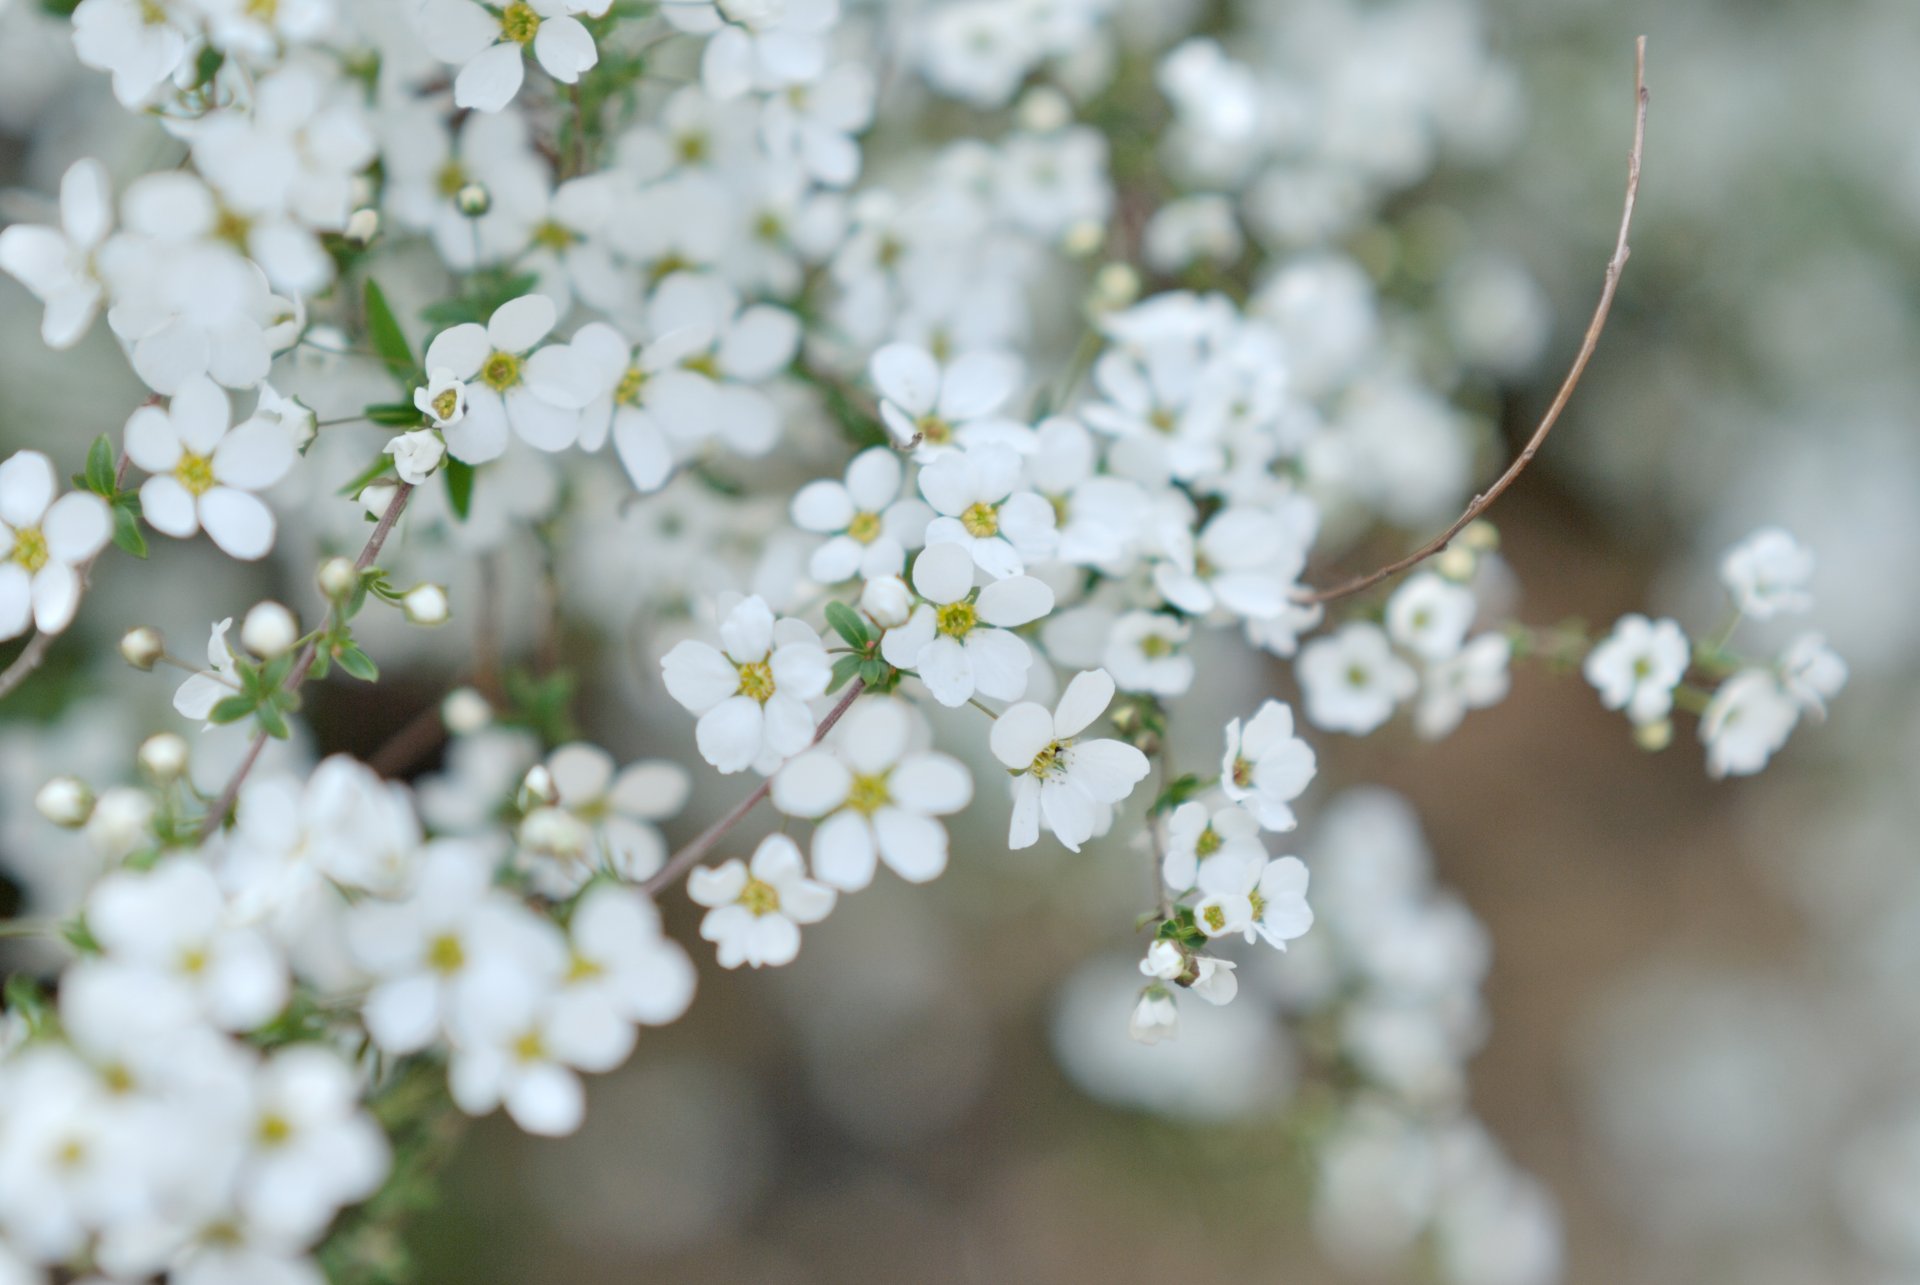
394 414
79 936
358 663
384 332
459 477
847 623
273 722
277 670
100 468
381 466
126 531
25 998
232 710
1177 793
843 671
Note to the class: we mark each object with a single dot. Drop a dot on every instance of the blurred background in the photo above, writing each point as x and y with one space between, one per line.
1702 1028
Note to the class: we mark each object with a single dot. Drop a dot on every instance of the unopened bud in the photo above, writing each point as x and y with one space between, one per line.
337 578
120 821
1084 238
1044 110
65 801
163 757
537 788
1654 737
556 833
378 498
465 711
426 605
887 600
473 200
363 226
269 630
1457 564
1481 536
142 647
1115 287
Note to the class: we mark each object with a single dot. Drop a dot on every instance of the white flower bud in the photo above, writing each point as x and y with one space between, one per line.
473 200
1154 1017
269 630
556 833
1164 960
65 801
537 787
426 605
1115 286
417 454
142 647
887 600
1481 536
1654 737
1044 110
378 498
120 821
1456 563
465 711
363 225
1084 238
337 578
163 757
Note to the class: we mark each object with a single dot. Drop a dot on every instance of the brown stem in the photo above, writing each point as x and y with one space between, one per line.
217 814
34 654
1615 265
681 861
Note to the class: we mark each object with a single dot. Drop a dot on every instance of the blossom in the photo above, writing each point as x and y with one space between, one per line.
756 908
622 961
1143 654
930 404
1637 666
206 469
1197 835
1767 574
1266 899
141 42
874 795
757 43
1429 615
444 399
1154 1018
869 526
314 1148
1266 767
959 640
974 493
44 542
1060 780
512 1046
1243 563
1812 672
812 126
1352 679
751 698
1746 723
416 455
489 47
654 407
56 265
599 820
1474 679
540 394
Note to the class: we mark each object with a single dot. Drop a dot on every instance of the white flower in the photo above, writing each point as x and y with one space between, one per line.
870 526
43 544
444 399
812 126
56 265
1198 836
1143 654
1060 780
313 1149
1474 679
1164 960
654 407
174 920
1637 666
540 396
973 491
1352 679
141 42
488 46
1154 1018
1267 899
600 820
751 698
1429 615
206 469
622 962
1243 562
1812 672
1266 767
923 401
757 43
416 455
1767 574
513 1045
1747 720
756 909
1214 980
959 641
878 797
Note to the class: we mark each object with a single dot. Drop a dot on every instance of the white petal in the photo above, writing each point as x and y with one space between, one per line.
489 82
86 202
977 383
729 734
873 479
403 1015
789 725
170 356
16 600
200 413
932 783
760 344
908 376
1068 811
26 488
943 573
56 596
461 350
482 436
564 48
77 526
150 441
519 324
822 506
717 885
844 852
1106 770
726 67
254 455
653 790
914 846
1085 699
698 676
456 30
1023 831
947 671
1017 600
1000 663
772 940
642 449
168 507
747 632
875 734
1020 734
539 423
239 522
547 1100
811 785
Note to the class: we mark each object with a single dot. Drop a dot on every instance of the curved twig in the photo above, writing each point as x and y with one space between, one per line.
1484 501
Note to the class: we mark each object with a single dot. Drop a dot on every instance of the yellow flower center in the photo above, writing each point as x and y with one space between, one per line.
232 228
71 1155
768 227
446 403
869 794
704 364
1356 676
756 680
274 1129
450 179
760 897
265 10
1154 646
934 430
1242 772
1215 918
117 1078
981 521
501 371
445 954
151 13
956 619
1050 761
29 548
195 472
553 236
519 23
627 392
193 961
530 1047
865 527
582 969
1162 419
691 148
1207 844
1259 903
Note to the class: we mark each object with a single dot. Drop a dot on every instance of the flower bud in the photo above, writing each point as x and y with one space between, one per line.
1654 737
887 600
465 711
1456 563
1084 238
163 757
1154 1017
1115 286
378 498
337 578
416 455
1044 110
65 801
426 605
363 225
120 822
269 630
142 647
556 833
1481 536
537 788
473 200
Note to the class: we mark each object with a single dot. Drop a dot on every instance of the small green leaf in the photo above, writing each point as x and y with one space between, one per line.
26 999
1177 793
459 476
232 710
79 936
126 531
381 466
358 663
276 671
843 671
394 414
100 468
847 623
273 722
383 331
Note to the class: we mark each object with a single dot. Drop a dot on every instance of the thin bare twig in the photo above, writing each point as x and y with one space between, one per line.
1484 501
34 654
217 814
703 843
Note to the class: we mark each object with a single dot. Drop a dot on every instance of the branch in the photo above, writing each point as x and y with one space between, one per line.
680 861
35 653
217 814
1615 265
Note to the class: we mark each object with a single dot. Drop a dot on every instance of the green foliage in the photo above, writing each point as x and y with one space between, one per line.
1180 791
542 704
389 341
487 289
849 624
458 475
